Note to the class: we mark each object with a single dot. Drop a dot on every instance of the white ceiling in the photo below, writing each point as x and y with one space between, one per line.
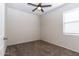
28 8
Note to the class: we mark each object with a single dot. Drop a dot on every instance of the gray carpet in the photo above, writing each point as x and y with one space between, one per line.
38 48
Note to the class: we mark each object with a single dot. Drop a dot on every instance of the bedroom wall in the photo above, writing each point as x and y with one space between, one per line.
21 26
52 29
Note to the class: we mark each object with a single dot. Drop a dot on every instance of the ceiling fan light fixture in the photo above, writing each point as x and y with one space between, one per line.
39 8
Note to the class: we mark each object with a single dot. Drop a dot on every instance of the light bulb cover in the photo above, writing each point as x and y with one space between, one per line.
39 8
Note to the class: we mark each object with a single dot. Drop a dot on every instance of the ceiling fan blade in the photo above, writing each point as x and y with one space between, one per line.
34 9
42 10
31 4
46 5
39 4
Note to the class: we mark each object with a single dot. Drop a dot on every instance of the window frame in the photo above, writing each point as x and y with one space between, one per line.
69 23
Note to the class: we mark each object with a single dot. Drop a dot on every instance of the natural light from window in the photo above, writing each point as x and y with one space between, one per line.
71 21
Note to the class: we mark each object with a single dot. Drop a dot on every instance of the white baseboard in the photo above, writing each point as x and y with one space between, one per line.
61 46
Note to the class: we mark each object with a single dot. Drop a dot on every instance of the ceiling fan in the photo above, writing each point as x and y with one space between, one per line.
39 6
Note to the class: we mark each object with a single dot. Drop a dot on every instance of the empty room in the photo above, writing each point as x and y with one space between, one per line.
39 29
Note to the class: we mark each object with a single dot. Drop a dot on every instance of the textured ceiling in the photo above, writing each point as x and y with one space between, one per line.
28 8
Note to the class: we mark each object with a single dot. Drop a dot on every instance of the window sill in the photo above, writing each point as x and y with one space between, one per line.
71 34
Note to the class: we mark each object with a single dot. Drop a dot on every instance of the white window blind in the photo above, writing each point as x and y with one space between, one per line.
71 21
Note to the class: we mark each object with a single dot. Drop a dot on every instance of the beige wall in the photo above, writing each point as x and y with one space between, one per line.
21 26
52 29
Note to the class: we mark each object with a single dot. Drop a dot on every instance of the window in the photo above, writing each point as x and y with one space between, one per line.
71 21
